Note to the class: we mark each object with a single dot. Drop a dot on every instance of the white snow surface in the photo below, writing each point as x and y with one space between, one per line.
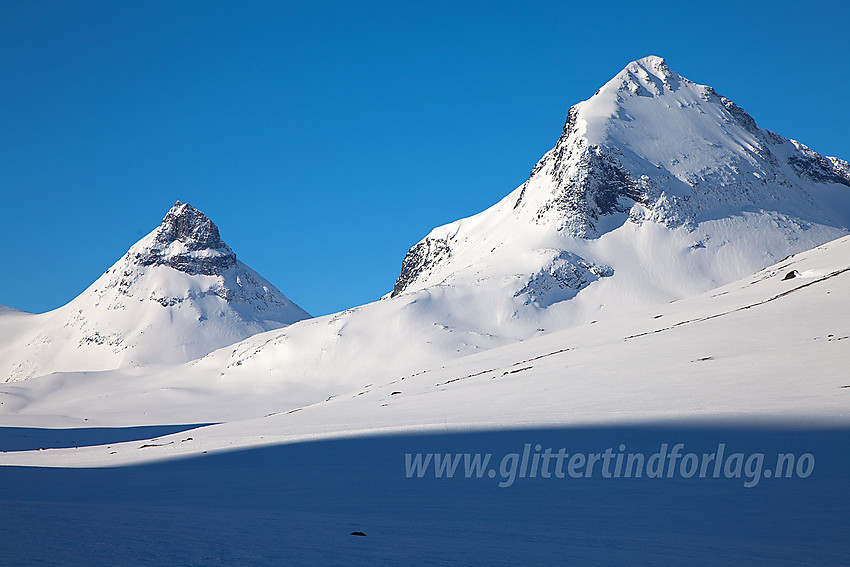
761 350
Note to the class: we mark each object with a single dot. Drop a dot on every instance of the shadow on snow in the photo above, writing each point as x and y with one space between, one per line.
298 504
33 438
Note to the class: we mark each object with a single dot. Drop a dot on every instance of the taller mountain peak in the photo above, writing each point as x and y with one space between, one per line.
648 148
677 149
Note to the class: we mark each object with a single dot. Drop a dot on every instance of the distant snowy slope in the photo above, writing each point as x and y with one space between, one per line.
176 295
769 348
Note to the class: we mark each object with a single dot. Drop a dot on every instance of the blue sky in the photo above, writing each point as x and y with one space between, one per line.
326 138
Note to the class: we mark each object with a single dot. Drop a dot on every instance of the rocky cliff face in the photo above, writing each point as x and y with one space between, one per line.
189 242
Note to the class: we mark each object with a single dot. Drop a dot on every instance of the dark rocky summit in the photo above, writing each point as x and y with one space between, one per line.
200 250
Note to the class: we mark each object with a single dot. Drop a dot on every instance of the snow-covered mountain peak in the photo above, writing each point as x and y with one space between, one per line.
176 295
650 146
188 241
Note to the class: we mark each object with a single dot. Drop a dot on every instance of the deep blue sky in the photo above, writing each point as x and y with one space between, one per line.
326 138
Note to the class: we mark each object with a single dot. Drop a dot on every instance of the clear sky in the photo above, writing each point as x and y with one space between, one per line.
326 138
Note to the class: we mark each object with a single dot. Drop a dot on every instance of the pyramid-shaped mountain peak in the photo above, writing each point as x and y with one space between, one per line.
176 295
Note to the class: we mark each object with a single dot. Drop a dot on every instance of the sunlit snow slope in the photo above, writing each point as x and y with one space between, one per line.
766 349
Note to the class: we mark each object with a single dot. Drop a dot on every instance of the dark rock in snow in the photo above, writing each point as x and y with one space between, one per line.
189 242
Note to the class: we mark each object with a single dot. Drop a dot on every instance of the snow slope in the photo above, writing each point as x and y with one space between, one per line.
11 311
176 295
761 350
